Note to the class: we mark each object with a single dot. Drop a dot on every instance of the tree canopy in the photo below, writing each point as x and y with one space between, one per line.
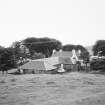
6 58
99 48
42 45
68 47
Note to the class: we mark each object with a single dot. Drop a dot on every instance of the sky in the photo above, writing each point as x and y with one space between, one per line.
70 21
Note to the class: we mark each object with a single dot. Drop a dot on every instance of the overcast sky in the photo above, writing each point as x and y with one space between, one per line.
70 21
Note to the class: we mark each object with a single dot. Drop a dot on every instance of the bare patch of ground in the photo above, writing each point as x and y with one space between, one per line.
45 89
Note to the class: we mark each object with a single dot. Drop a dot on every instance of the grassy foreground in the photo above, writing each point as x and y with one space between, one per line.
45 89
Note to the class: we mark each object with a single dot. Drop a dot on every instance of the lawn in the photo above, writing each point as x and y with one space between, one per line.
57 89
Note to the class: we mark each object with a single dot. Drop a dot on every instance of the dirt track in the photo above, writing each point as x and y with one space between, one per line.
45 89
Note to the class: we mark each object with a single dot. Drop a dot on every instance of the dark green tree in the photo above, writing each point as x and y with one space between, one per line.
16 50
84 52
6 59
99 48
19 50
69 47
42 45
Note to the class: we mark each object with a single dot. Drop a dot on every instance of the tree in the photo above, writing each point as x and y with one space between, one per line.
6 59
84 53
1 53
69 47
16 50
98 64
99 48
19 50
42 45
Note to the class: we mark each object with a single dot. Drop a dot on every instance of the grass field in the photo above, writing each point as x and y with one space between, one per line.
45 89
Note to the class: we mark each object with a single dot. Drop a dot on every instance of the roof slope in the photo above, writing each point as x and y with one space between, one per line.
38 65
62 54
65 60
57 60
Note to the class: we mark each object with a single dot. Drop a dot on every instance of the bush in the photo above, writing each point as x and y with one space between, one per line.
98 64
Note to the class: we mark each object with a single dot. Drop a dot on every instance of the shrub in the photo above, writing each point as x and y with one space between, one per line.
98 64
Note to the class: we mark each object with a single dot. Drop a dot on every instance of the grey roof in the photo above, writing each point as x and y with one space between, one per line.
62 54
63 57
46 63
38 65
65 60
58 60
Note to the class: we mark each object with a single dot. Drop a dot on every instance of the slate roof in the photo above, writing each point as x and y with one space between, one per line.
38 65
65 60
65 57
62 54
57 60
